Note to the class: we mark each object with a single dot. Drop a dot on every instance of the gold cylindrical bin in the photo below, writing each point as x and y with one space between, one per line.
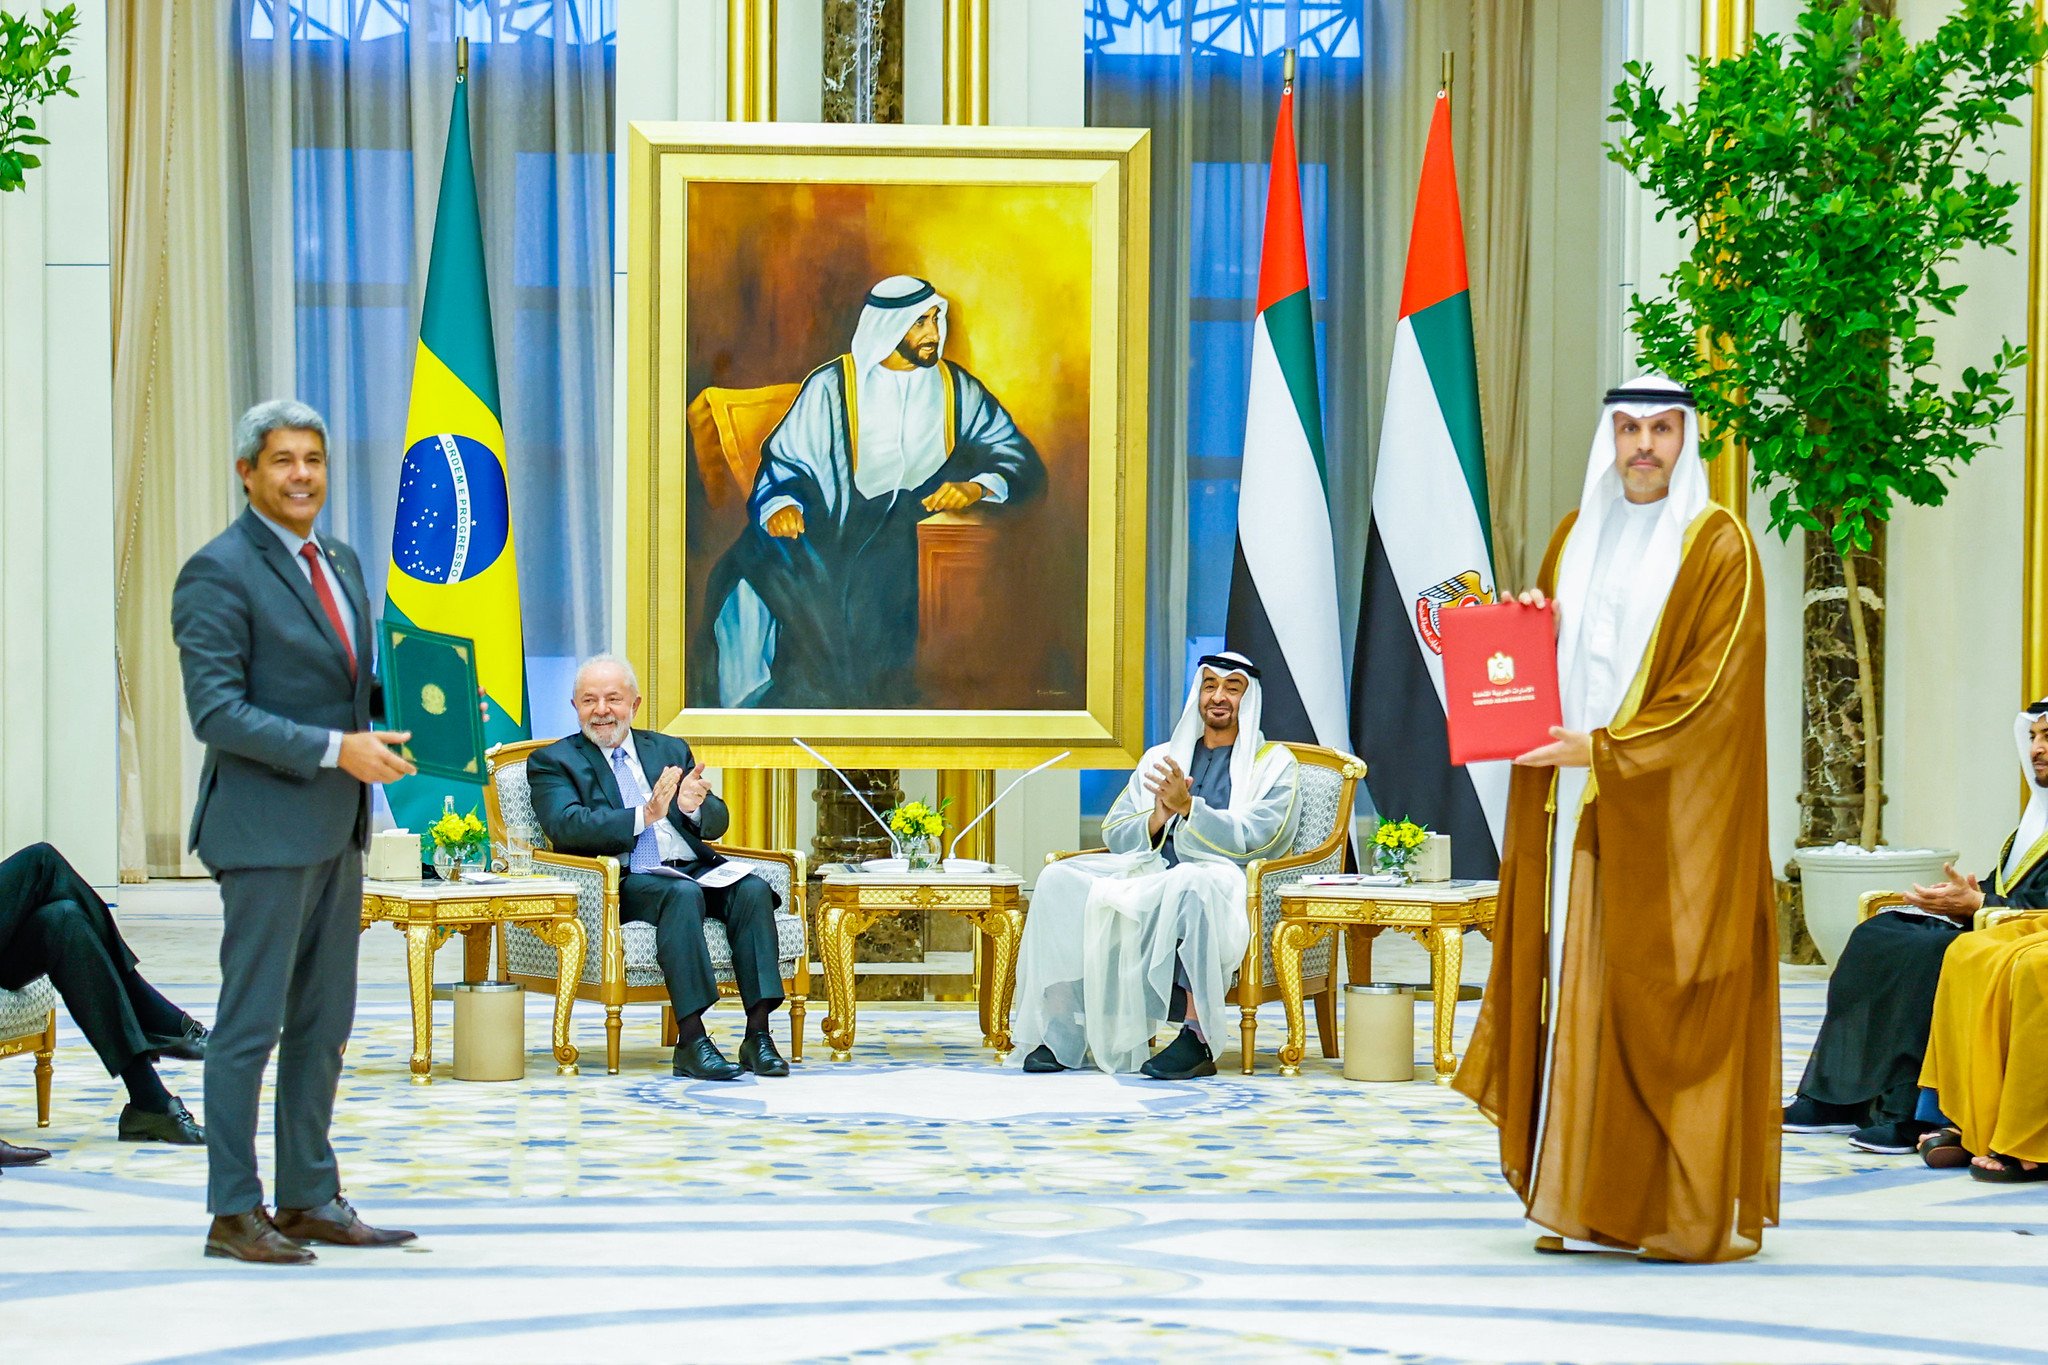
490 1031
1379 1032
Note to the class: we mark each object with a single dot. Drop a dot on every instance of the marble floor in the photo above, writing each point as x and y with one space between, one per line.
919 1203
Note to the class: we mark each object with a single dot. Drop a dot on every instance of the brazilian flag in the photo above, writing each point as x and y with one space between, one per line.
452 566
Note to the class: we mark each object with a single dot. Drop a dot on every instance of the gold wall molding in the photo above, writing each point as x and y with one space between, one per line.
750 60
2034 571
965 44
1725 30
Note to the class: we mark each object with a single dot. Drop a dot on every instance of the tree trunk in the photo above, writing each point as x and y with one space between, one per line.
1844 705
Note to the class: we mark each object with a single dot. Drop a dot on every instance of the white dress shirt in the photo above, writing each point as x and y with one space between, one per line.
294 543
667 838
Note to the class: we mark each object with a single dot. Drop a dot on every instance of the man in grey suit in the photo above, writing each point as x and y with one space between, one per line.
273 629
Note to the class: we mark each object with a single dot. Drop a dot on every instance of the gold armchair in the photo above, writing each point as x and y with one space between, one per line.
28 1024
619 968
1876 902
1327 784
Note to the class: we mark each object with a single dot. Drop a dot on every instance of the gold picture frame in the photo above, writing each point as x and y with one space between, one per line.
1102 179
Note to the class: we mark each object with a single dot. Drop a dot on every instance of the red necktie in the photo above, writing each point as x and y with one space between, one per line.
326 595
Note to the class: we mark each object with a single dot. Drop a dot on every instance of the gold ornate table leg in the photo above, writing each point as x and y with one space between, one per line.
837 929
999 979
420 941
1446 965
476 952
1290 940
567 938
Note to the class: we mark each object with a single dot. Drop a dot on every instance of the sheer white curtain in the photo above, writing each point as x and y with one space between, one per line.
341 115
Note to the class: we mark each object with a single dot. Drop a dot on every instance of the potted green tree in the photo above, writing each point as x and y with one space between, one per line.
1832 174
30 72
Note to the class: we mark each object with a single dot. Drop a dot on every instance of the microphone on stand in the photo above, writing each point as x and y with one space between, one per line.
848 783
978 865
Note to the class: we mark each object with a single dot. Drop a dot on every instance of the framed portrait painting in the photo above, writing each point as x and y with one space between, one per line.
886 430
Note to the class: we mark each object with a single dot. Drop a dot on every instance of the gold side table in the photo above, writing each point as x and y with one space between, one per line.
428 912
992 902
1436 913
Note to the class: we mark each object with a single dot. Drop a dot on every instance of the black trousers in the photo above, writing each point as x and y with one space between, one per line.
676 907
52 923
1880 1009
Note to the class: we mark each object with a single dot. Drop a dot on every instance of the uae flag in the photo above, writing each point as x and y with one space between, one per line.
1430 546
1283 582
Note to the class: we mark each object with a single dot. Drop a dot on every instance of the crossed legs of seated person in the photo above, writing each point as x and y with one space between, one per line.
1863 1079
677 909
52 923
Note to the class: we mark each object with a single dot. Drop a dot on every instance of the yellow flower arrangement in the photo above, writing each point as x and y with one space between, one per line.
1394 844
460 833
916 820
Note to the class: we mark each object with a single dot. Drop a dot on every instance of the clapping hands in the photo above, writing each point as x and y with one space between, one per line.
1168 786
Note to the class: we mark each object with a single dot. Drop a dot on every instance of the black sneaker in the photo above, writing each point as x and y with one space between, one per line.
1805 1115
1040 1060
1891 1139
1183 1059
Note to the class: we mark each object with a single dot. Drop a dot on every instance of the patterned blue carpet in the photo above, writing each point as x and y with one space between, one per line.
920 1203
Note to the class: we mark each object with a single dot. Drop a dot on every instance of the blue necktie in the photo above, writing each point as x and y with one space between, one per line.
646 848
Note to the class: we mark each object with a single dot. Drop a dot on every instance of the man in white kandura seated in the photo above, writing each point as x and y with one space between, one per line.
1116 942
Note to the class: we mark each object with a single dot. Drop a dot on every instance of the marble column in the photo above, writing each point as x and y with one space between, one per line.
863 83
863 66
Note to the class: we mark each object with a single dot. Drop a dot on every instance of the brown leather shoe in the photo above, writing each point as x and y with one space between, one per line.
253 1237
337 1223
11 1155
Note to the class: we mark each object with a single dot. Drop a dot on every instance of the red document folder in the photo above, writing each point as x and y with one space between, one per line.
1500 679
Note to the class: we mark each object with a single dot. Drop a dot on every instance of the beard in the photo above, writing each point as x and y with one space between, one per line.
924 357
605 734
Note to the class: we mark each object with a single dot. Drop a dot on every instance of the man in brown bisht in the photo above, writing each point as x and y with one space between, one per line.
1640 1113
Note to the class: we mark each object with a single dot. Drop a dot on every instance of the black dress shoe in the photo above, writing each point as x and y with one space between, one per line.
702 1061
1183 1059
188 1045
11 1155
1040 1061
758 1055
175 1125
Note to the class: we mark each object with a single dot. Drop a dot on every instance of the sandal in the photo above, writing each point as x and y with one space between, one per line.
1943 1149
2009 1171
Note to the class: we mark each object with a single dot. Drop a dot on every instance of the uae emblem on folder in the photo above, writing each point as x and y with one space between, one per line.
1500 670
1467 589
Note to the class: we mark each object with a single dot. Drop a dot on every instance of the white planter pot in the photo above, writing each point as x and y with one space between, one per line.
1832 882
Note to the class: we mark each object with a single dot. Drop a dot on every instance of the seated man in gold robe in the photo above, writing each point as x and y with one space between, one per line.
1627 1046
1987 1055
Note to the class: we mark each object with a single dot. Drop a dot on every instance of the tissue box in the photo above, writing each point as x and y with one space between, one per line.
394 856
1433 859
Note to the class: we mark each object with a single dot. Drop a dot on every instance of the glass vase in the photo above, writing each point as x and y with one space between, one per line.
450 862
1395 863
921 854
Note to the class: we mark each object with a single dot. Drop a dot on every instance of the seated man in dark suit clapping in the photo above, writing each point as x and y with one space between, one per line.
52 923
636 795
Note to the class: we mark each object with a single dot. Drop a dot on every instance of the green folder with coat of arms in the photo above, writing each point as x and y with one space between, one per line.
430 688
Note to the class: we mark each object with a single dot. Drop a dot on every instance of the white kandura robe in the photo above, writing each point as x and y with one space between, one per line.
1095 972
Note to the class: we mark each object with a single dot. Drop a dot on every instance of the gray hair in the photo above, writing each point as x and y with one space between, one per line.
276 414
632 678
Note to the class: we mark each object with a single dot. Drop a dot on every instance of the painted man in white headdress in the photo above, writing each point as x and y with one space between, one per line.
1627 1047
1150 931
816 603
